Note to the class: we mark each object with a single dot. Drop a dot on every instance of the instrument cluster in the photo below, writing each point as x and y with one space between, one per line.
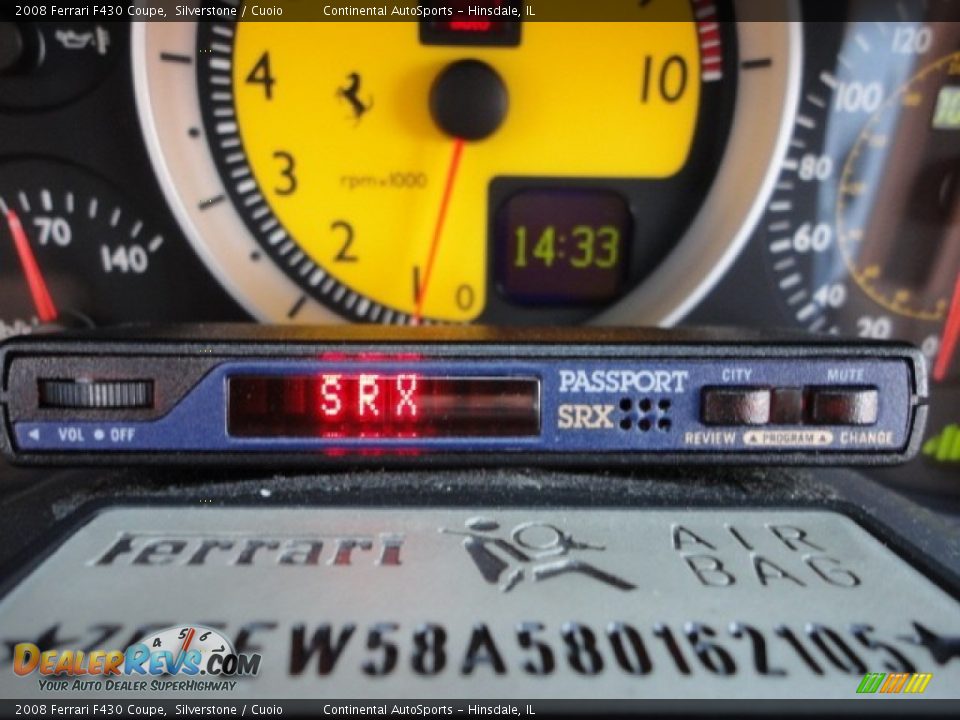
699 165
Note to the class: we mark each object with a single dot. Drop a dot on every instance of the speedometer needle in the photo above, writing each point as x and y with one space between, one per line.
438 227
951 334
46 310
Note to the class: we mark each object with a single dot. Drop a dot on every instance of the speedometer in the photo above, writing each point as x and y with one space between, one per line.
862 228
503 172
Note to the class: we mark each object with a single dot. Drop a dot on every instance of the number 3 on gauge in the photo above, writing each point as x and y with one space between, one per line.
288 165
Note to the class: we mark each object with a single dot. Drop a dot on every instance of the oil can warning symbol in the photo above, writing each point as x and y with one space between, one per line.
535 551
98 39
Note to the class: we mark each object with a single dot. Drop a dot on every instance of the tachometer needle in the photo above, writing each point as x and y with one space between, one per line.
46 310
951 334
438 227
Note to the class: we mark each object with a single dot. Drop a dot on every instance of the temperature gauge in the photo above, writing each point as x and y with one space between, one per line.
74 253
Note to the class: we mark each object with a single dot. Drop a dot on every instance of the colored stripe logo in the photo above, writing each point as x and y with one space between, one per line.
894 683
945 447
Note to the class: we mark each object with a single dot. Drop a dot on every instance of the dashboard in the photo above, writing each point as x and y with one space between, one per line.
700 165
172 173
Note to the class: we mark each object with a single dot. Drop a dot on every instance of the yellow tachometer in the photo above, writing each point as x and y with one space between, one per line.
502 172
383 165
336 123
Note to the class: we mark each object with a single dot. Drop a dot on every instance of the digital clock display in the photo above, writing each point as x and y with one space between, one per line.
380 405
946 116
563 246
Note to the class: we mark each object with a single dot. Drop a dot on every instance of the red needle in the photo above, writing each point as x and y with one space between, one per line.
438 228
186 646
46 310
951 334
